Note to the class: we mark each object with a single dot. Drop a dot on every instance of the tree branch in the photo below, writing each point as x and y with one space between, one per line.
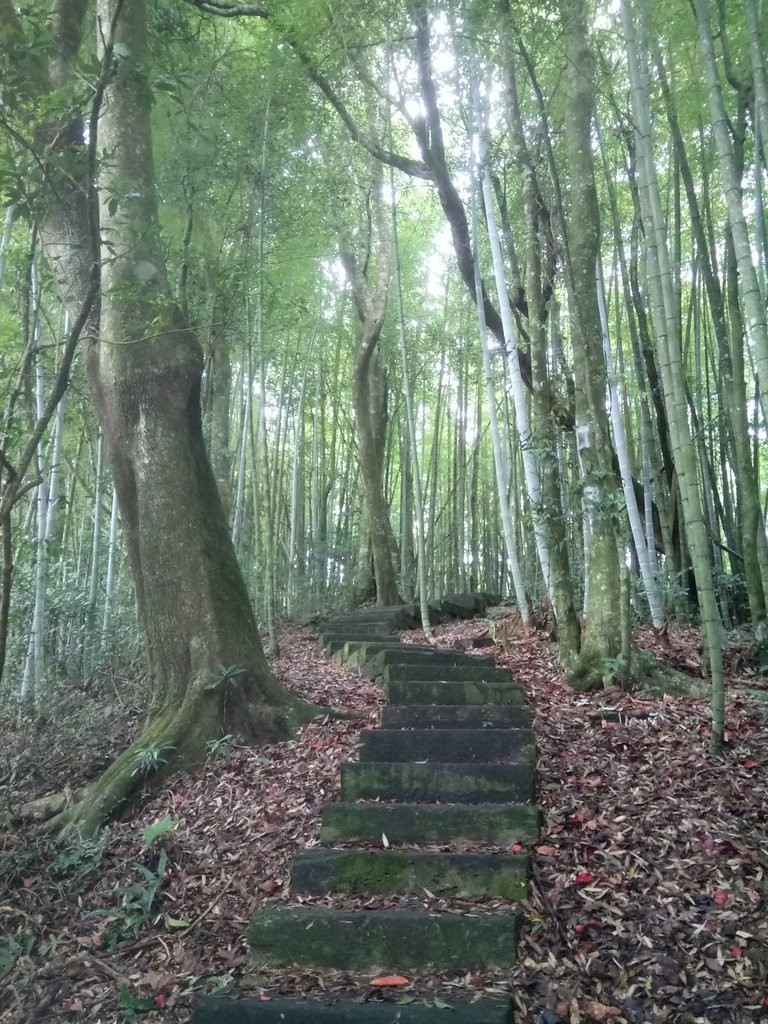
228 9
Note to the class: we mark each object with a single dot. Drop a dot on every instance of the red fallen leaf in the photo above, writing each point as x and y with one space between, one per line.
177 799
265 999
516 848
751 764
585 877
579 928
721 897
390 979
27 882
765 1000
160 1001
736 951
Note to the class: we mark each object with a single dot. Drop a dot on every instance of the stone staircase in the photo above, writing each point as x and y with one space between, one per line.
451 766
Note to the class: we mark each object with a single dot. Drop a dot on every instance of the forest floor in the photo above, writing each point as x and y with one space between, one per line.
649 892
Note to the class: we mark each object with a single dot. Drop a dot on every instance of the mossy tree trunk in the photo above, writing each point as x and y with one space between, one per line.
367 397
208 673
601 641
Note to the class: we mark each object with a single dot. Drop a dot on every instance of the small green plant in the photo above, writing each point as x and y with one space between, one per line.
132 1005
78 861
221 747
149 759
158 829
136 909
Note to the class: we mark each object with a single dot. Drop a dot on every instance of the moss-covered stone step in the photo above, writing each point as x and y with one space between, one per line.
333 642
415 654
446 745
388 940
353 630
400 616
445 783
417 823
455 716
427 671
414 691
278 1010
459 875
355 626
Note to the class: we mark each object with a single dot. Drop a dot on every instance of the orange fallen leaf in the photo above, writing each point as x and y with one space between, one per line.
600 1011
390 979
546 851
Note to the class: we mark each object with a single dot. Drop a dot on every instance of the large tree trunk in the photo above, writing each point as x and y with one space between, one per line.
207 669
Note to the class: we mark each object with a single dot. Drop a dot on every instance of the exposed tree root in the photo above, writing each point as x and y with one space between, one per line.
176 739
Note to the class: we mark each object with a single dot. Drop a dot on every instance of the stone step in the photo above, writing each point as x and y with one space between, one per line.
333 642
418 654
457 875
455 716
433 824
445 783
475 693
369 654
386 940
447 745
401 616
353 626
353 630
279 1010
427 671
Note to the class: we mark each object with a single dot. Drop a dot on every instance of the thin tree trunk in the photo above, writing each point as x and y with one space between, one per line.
749 289
421 564
499 460
669 348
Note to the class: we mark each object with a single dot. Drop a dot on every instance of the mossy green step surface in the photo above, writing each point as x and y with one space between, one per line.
446 783
277 1010
446 745
428 671
386 940
415 692
456 716
400 616
419 654
458 875
333 642
352 627
433 824
357 653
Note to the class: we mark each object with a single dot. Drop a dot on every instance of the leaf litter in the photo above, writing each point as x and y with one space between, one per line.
648 899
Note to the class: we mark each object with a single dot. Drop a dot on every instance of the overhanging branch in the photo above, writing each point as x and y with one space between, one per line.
229 9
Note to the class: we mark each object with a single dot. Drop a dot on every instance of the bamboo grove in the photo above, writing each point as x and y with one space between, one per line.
480 293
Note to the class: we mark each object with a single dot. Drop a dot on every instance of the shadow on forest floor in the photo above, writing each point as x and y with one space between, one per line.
649 895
